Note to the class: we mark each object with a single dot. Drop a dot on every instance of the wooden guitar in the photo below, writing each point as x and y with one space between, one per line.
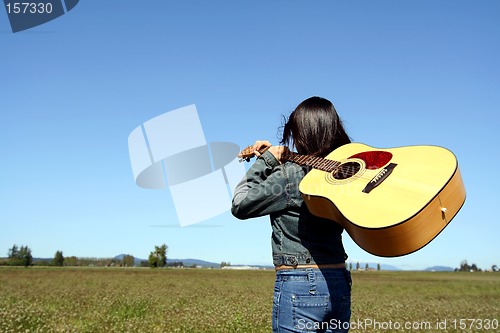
392 202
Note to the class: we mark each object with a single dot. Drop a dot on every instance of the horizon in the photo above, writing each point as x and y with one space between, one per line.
384 267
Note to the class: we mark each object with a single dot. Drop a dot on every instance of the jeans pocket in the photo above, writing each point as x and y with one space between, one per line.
309 312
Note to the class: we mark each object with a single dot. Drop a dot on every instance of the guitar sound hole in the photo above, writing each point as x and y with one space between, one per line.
346 170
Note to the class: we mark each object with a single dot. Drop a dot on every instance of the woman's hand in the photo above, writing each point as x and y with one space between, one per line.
261 145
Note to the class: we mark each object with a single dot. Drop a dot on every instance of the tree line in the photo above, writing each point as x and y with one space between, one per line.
367 267
22 256
466 267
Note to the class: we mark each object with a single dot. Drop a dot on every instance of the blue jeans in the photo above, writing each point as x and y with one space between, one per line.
312 300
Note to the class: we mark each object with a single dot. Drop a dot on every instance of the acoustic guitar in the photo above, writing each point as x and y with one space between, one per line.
392 202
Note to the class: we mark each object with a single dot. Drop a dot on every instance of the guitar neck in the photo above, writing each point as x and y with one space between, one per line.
315 162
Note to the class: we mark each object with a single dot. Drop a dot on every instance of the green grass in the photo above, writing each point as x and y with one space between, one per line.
201 300
424 299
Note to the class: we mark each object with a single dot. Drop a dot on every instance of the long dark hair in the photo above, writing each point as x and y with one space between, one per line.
314 128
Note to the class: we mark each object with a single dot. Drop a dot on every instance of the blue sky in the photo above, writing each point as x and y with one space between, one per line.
72 90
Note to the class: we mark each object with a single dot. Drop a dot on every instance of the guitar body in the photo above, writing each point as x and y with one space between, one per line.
392 202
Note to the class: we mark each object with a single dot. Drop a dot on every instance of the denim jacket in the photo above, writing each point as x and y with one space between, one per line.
298 237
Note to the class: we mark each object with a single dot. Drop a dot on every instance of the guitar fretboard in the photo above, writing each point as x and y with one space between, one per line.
316 162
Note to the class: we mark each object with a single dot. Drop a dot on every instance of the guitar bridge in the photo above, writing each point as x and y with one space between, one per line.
380 177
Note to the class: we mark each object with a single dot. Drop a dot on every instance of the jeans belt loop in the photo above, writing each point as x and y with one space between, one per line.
311 276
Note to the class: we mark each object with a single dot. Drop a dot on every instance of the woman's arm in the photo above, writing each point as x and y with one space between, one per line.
262 190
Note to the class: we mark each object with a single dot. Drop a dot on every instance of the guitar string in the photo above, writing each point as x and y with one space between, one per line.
325 165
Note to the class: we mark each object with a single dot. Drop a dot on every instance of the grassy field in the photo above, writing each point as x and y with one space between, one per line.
202 300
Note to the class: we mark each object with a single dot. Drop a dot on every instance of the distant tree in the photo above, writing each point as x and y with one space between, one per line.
224 264
25 255
162 255
42 262
128 261
357 266
71 261
58 259
465 267
366 267
13 252
350 266
153 260
175 264
158 257
378 267
20 256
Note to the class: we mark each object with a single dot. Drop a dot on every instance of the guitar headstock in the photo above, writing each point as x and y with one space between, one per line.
246 154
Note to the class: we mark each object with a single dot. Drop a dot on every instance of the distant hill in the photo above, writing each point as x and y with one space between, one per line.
190 262
137 261
385 267
187 262
439 269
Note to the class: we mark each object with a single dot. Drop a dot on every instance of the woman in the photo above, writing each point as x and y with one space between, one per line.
312 289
